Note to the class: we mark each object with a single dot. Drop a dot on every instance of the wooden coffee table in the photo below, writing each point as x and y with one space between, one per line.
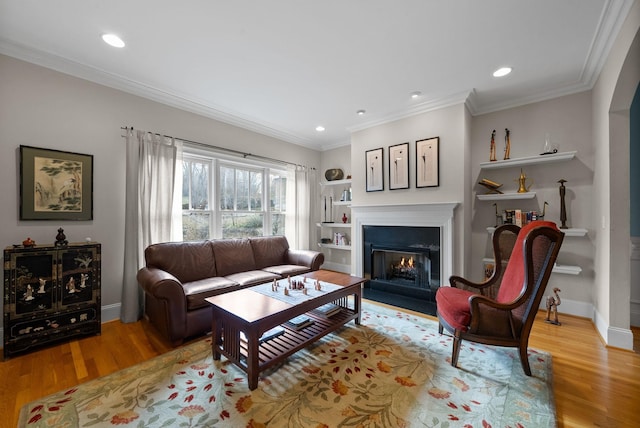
252 313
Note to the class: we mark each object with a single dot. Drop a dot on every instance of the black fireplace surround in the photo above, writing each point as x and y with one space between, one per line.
402 264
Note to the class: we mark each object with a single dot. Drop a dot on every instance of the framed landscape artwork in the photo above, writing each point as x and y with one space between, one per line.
427 162
55 185
399 166
374 173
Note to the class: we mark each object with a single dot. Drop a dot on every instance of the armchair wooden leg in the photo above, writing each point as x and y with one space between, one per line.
524 359
440 328
457 341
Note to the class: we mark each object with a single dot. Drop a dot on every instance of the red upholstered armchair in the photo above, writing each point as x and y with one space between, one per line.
507 319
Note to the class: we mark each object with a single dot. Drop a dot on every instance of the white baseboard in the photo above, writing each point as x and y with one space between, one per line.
339 267
614 336
110 312
572 307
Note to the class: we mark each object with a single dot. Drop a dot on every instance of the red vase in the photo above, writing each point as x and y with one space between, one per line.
344 217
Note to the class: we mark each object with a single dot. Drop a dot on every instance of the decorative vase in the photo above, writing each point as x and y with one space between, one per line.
344 217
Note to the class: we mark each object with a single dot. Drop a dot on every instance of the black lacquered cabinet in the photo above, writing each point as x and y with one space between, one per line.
50 294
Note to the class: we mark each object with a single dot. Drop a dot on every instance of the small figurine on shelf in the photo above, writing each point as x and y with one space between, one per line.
61 239
492 147
563 207
507 144
522 183
344 218
498 215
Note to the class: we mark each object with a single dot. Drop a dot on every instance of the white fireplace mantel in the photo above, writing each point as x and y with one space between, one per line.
418 215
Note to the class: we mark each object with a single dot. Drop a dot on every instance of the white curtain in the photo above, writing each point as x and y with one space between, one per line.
302 195
152 163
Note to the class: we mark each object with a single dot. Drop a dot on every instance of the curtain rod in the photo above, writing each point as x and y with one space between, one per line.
223 149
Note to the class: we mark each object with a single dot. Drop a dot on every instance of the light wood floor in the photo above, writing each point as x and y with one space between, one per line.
593 385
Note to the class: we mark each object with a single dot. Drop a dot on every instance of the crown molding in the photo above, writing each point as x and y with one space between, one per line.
115 81
614 12
424 107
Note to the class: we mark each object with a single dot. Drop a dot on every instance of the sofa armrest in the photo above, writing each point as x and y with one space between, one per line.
312 259
162 285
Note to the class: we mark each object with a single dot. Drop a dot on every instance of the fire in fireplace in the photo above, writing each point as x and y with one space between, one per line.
402 265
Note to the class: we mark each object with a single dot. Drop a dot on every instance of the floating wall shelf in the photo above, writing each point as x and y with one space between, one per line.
530 160
505 196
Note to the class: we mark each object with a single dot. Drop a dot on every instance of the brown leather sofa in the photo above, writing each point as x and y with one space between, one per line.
178 276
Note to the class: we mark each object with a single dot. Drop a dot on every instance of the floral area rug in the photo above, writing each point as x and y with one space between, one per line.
392 371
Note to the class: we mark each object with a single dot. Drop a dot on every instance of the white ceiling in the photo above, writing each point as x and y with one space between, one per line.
282 67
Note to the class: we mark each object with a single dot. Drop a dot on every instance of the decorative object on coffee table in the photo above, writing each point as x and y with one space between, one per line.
563 207
552 307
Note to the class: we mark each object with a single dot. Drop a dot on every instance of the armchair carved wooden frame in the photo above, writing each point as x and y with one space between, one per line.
505 320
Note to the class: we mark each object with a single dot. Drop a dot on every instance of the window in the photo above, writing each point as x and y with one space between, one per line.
229 199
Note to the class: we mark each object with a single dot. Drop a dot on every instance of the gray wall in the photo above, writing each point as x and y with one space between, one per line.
43 108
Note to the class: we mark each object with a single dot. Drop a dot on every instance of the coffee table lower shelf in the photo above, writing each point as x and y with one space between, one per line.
275 350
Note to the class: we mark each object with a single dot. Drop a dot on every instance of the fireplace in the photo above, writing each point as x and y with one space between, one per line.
402 263
422 234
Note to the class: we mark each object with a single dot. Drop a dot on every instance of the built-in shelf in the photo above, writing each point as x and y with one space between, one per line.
334 225
335 247
573 231
562 269
530 160
336 182
505 196
341 203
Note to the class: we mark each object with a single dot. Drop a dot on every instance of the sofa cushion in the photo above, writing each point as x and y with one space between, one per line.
252 277
287 270
187 261
269 250
197 291
233 256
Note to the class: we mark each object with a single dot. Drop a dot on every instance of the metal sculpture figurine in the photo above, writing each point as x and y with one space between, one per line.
552 306
492 149
507 144
563 208
544 211
522 183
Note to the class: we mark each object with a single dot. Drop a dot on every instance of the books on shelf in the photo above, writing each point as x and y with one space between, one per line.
299 322
269 334
328 309
519 217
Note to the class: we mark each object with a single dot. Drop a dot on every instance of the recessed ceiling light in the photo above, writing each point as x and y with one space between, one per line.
319 128
113 40
501 72
361 112
416 94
